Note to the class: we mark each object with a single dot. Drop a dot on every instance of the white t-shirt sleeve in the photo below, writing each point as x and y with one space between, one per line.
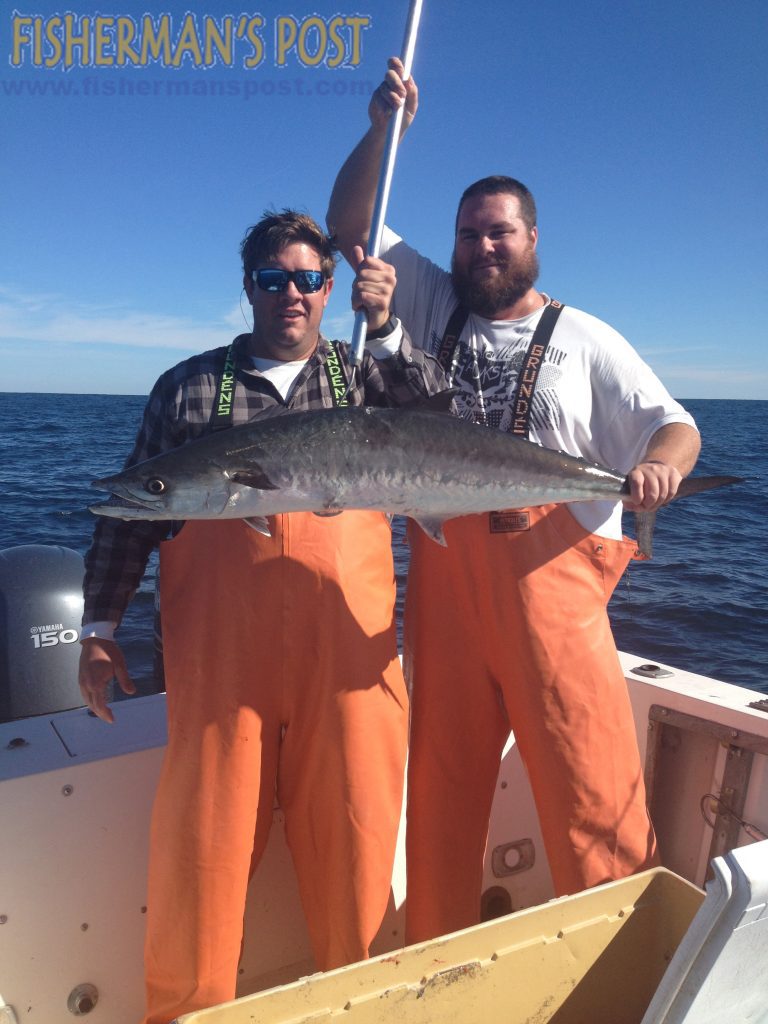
383 348
622 405
424 298
630 404
643 412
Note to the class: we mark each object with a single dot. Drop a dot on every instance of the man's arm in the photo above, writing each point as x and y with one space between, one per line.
671 455
394 372
114 566
354 193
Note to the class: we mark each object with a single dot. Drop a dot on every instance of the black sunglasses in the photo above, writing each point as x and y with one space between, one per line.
272 279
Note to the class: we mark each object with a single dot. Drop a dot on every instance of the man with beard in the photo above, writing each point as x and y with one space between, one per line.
506 627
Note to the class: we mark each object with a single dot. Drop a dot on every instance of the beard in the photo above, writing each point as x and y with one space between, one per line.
493 295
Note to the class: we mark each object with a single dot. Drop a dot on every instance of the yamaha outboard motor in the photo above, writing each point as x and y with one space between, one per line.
41 607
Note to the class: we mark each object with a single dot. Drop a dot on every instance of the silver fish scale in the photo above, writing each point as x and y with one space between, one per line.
417 462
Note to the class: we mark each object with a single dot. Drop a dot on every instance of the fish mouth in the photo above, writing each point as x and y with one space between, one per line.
122 503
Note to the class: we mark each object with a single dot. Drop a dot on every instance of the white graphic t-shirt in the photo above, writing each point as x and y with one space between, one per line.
595 397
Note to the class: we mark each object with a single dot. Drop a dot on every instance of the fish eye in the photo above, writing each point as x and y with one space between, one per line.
155 485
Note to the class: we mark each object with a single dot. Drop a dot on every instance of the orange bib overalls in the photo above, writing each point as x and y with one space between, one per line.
282 680
509 631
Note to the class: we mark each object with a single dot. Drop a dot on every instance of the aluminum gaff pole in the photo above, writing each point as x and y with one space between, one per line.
357 344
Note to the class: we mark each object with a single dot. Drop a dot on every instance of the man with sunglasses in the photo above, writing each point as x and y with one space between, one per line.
281 662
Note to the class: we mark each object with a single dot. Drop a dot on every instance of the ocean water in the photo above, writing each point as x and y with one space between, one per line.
701 604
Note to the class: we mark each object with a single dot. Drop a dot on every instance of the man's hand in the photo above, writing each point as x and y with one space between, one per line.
391 94
352 202
671 454
373 287
652 484
101 661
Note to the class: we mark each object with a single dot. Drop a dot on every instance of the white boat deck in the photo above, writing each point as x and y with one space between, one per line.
76 796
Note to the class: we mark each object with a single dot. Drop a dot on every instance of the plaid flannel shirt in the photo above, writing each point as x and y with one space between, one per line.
179 410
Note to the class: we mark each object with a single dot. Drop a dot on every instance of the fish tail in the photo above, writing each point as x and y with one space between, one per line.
646 521
697 484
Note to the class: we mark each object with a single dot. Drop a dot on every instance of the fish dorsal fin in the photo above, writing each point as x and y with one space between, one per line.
441 402
270 412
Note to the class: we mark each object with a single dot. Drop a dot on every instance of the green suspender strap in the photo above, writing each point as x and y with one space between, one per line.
337 377
221 415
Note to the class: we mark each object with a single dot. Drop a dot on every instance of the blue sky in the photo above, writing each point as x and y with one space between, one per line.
124 192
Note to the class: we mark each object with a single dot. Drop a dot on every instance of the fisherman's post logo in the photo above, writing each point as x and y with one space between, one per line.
245 41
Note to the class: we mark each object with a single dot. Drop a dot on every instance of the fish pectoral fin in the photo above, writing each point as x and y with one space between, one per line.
326 513
260 524
255 478
433 527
